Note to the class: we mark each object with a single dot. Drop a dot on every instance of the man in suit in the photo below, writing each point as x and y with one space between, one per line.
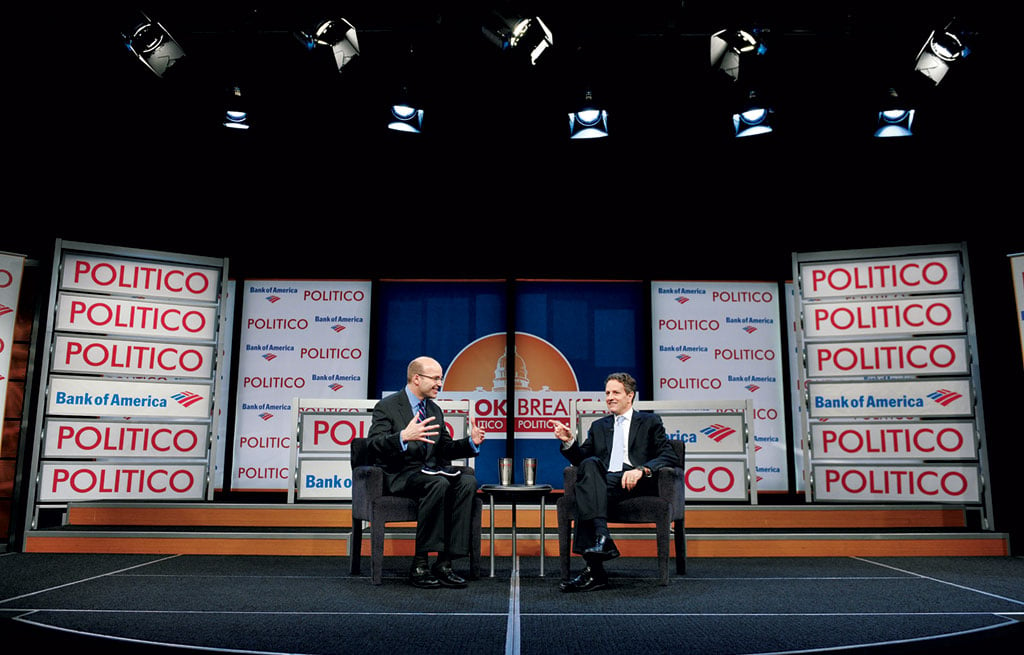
408 438
622 452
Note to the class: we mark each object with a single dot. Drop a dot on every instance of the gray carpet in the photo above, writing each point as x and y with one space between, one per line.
154 604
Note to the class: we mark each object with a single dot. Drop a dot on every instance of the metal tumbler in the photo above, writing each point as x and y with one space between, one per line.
505 471
530 470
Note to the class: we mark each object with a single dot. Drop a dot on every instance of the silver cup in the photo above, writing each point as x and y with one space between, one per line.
505 471
530 470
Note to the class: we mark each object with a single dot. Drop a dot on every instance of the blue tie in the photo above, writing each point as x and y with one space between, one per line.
618 445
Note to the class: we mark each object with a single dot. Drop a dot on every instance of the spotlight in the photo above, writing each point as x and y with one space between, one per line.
406 118
730 47
896 119
519 34
589 122
236 117
337 34
943 49
754 120
153 45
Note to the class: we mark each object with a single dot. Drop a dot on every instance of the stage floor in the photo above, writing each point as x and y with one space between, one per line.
120 603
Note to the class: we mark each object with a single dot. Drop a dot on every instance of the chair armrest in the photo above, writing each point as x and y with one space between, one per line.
672 487
367 486
569 480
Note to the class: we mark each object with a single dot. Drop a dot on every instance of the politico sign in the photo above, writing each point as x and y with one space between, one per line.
721 341
105 275
935 274
870 318
65 438
298 338
887 377
11 267
136 358
894 440
132 317
77 482
947 356
911 483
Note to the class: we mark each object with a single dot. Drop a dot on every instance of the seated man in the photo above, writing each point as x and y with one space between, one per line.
408 439
618 460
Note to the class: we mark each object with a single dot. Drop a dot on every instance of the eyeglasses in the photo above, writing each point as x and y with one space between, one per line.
435 378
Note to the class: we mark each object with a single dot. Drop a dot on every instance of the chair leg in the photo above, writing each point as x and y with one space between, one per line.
474 542
355 546
680 530
377 552
662 530
564 548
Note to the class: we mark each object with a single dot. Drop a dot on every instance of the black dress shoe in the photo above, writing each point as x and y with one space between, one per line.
603 549
420 576
446 577
587 580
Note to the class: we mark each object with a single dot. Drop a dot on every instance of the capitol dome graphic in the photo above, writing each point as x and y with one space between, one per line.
483 365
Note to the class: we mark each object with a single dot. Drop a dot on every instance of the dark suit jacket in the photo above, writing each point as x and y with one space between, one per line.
390 416
648 445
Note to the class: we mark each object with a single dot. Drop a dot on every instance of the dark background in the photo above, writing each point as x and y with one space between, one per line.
101 151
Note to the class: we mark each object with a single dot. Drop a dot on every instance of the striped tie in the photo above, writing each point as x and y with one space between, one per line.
421 411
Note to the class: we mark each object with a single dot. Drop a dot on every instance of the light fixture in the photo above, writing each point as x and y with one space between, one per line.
236 116
896 118
590 122
153 45
754 119
943 49
519 34
729 47
337 34
406 118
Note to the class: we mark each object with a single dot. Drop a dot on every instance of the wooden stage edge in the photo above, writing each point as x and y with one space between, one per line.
712 531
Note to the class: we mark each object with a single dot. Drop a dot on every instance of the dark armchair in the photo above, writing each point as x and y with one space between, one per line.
371 504
666 510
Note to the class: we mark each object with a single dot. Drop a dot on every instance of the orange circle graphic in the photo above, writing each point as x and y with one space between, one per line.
482 366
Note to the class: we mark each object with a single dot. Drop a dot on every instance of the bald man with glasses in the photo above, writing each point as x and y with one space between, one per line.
409 440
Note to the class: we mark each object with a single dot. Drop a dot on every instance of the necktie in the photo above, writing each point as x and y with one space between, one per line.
421 411
618 445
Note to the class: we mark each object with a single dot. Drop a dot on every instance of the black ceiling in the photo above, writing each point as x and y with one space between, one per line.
118 155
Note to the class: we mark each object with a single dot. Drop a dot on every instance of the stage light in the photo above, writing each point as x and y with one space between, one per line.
153 45
896 119
519 34
406 118
730 47
754 120
590 122
337 34
943 49
236 116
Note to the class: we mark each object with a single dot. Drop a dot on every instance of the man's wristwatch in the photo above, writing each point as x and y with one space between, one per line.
647 472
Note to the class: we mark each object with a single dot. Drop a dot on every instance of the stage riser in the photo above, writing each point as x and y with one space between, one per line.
712 531
529 545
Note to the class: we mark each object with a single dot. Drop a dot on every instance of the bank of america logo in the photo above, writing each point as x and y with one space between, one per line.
751 388
683 357
5 310
270 357
187 398
338 328
750 329
682 300
945 397
273 299
717 432
336 386
266 416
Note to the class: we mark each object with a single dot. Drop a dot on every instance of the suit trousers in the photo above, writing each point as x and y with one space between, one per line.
596 490
445 511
